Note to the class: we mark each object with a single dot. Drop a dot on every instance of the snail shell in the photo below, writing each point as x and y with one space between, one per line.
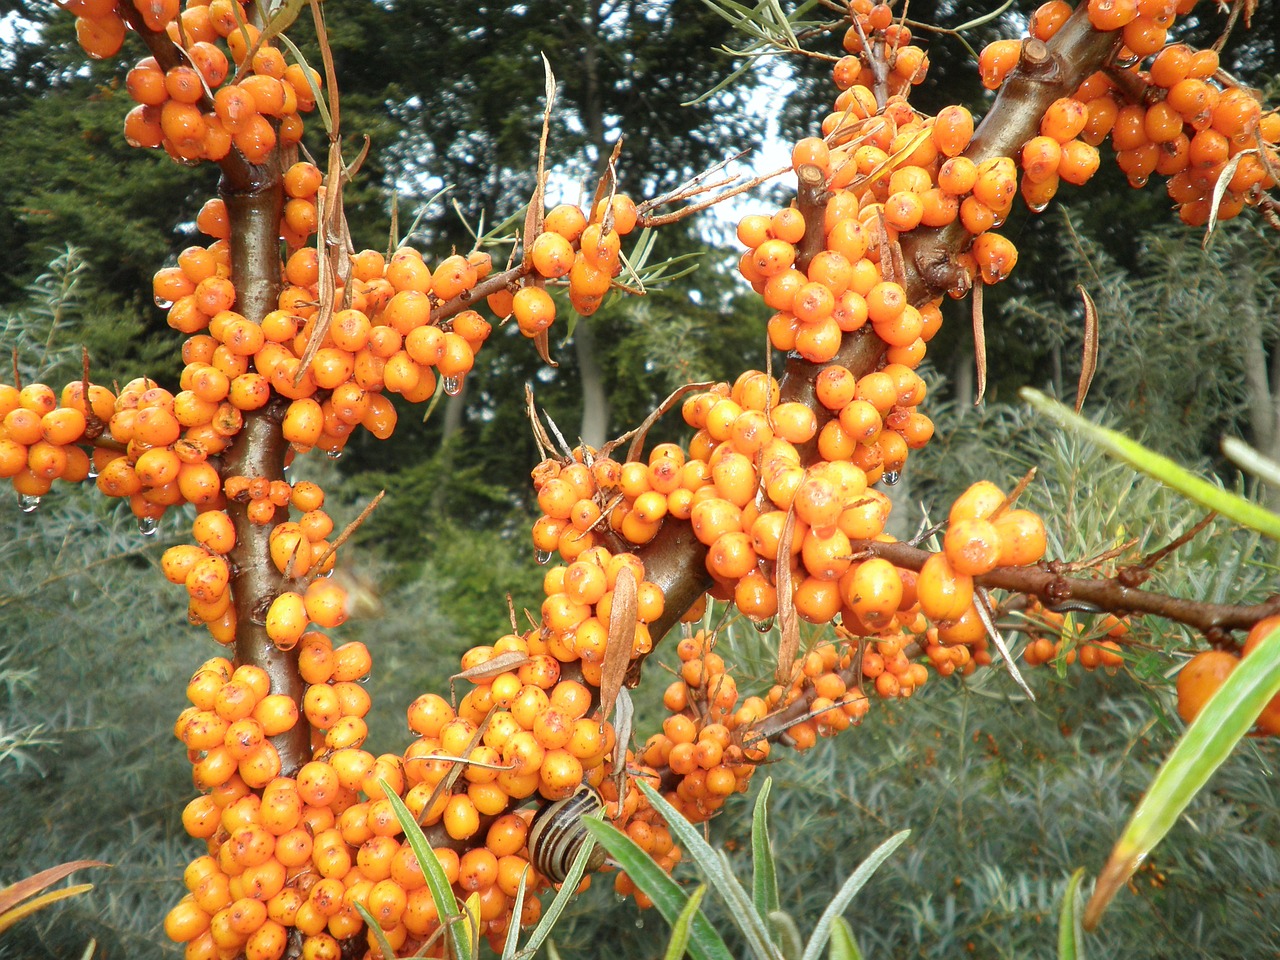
557 834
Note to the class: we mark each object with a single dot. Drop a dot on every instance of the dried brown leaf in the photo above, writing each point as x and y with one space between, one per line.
622 637
1089 360
788 619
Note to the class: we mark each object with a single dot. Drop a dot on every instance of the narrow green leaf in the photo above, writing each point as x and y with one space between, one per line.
843 945
441 891
679 942
666 894
718 873
1161 468
322 105
1070 934
376 929
764 873
1251 461
1207 742
788 936
859 877
568 890
513 928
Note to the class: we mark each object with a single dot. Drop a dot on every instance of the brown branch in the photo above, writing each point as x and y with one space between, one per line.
490 284
1043 74
259 451
1047 582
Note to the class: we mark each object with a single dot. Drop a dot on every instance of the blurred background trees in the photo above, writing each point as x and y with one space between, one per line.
1005 796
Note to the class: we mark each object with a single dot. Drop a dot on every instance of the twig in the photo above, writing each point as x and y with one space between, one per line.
345 535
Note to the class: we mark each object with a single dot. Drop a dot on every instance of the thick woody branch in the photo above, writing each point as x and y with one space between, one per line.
1045 72
259 451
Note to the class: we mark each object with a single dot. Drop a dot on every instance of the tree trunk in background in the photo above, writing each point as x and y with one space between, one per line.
595 399
1260 386
454 408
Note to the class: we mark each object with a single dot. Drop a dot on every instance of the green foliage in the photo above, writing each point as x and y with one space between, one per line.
1179 309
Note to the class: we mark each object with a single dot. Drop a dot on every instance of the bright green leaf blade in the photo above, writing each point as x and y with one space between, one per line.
679 942
441 891
10 917
1070 934
1161 468
513 928
567 891
717 872
764 873
788 936
843 945
376 929
666 894
856 881
1207 742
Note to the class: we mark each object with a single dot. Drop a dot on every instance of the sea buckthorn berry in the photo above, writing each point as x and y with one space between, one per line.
980 501
994 64
1112 14
972 546
1200 679
952 130
1080 161
995 256
1022 537
943 593
1064 119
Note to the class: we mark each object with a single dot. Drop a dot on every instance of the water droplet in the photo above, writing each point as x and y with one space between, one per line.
93 470
452 385
333 454
765 625
1124 63
28 503
542 557
1138 182
286 468
639 923
163 304
1038 207
147 526
891 477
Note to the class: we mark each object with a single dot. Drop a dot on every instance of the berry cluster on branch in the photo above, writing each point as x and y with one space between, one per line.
295 339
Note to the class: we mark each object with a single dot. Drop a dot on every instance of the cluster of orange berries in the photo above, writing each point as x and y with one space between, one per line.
587 253
1177 118
190 109
1203 674
292 851
41 433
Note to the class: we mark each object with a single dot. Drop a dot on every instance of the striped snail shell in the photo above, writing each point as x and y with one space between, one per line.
557 834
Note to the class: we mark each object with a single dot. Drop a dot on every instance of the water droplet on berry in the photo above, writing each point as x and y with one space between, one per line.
28 503
542 557
1038 207
93 470
765 625
890 477
1138 182
452 385
333 454
1124 63
147 526
162 303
